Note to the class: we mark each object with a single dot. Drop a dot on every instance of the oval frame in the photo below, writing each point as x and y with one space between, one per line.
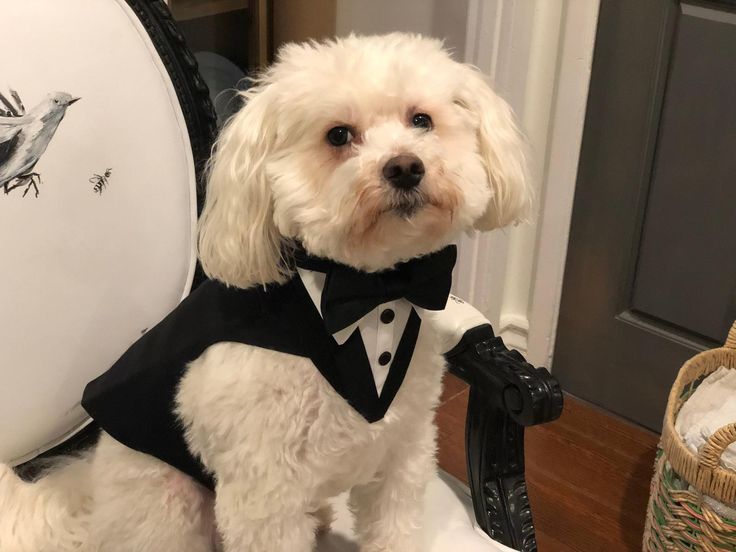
193 94
200 119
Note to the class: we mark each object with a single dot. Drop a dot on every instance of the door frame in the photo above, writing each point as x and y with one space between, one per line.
539 56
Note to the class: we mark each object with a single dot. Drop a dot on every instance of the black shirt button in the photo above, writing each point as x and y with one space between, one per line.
387 316
385 358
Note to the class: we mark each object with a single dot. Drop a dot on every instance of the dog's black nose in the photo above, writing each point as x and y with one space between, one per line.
404 171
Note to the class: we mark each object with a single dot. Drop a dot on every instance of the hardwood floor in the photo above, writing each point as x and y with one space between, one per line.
588 473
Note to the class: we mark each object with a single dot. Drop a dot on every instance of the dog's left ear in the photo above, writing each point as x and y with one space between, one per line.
238 240
503 150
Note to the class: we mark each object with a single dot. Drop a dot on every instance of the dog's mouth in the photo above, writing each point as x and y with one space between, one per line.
407 204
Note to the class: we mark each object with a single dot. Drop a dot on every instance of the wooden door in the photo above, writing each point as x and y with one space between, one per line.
651 270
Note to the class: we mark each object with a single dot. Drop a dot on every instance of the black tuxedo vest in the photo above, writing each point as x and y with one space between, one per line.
134 401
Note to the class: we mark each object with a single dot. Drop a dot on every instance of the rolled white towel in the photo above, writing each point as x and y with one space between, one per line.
709 408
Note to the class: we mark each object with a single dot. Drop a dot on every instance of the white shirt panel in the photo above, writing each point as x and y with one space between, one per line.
378 337
314 282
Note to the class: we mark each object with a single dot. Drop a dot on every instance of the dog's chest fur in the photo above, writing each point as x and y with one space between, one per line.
251 411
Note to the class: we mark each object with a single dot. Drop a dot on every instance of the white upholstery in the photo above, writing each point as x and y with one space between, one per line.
85 273
448 523
451 323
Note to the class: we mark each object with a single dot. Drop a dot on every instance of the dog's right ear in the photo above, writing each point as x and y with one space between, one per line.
238 240
502 148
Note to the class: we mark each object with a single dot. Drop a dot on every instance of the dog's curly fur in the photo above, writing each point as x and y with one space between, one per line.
279 439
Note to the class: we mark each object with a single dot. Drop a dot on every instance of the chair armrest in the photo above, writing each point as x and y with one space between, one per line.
527 394
506 394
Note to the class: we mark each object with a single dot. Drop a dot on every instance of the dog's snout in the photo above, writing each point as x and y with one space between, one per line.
404 171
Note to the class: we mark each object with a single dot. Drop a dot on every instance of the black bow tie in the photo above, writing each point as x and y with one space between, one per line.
350 294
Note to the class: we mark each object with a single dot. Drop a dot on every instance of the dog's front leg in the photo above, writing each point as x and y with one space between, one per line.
388 510
245 414
252 522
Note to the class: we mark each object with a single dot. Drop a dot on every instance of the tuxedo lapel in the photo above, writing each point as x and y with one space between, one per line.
307 328
356 377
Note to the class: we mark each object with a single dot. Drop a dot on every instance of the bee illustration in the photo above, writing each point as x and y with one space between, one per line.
100 181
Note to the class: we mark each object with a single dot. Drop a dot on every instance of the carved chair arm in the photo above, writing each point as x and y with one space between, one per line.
506 394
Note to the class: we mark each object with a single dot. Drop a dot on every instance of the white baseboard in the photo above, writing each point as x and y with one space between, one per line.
514 330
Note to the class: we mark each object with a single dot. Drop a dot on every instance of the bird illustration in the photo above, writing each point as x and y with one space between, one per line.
25 136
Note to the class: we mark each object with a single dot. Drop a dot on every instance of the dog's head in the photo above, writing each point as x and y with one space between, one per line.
367 150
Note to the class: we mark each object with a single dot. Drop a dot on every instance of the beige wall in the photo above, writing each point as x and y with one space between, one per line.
299 20
446 19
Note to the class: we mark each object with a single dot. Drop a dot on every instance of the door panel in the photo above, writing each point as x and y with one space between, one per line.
687 262
651 270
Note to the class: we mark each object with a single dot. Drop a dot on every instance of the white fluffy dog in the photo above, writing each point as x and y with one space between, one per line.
278 438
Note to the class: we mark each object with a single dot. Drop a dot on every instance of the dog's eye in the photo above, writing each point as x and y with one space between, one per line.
339 136
422 120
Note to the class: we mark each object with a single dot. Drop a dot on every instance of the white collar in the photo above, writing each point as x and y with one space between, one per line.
314 282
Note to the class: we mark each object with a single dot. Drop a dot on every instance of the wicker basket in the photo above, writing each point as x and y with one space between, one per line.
678 518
